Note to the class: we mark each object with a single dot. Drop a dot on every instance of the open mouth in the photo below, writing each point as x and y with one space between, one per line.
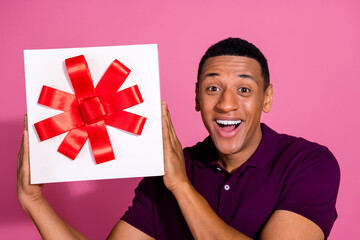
228 125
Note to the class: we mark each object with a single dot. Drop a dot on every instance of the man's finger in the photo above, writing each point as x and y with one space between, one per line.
19 157
172 132
25 122
165 127
24 138
167 117
25 146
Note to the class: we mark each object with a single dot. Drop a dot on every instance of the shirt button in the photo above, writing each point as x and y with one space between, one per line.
219 169
226 187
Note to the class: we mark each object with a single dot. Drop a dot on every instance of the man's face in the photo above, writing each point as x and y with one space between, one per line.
230 95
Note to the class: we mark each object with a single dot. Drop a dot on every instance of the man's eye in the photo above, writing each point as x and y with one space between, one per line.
213 89
244 90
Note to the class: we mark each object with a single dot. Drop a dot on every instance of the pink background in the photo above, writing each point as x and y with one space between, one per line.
314 59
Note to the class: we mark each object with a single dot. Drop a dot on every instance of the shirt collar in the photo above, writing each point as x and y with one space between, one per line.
267 149
265 153
206 155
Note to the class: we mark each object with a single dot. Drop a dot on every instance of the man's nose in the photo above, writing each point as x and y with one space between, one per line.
228 101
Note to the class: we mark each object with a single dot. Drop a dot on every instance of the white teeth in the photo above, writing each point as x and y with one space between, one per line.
227 122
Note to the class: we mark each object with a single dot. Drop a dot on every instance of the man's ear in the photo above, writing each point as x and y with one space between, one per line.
268 99
197 104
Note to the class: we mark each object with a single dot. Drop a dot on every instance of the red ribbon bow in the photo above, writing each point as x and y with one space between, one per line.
88 111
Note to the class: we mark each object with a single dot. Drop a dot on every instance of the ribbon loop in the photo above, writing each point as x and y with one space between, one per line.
57 99
113 78
59 124
87 112
80 77
73 142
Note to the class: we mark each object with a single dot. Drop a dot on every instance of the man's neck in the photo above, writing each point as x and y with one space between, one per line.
231 162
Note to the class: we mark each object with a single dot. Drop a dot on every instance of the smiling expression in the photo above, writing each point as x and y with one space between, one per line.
230 95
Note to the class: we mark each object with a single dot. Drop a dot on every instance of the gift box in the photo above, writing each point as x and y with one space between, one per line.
93 113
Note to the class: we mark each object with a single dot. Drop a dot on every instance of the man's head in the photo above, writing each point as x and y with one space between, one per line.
232 91
237 47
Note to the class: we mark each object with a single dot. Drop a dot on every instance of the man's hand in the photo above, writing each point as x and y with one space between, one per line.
49 224
201 219
175 173
26 192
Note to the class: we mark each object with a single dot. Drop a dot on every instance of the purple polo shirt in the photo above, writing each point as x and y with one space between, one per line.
284 173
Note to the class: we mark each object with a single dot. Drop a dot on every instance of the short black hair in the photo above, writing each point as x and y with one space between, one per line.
237 47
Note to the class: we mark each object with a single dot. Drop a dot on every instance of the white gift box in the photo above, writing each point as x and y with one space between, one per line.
135 155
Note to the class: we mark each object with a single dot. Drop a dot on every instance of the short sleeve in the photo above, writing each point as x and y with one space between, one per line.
313 190
140 214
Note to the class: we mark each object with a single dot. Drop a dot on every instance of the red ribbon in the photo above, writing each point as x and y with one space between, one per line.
88 111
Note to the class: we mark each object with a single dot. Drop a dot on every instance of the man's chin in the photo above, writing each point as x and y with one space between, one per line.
226 150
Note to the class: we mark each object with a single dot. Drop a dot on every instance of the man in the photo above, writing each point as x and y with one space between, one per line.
244 181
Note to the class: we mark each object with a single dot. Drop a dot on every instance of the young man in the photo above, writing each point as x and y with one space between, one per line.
244 181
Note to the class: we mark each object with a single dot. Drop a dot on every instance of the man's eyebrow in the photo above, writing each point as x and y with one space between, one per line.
246 76
211 75
214 74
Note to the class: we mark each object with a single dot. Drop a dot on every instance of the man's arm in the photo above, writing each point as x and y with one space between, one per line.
49 224
284 225
123 230
202 220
